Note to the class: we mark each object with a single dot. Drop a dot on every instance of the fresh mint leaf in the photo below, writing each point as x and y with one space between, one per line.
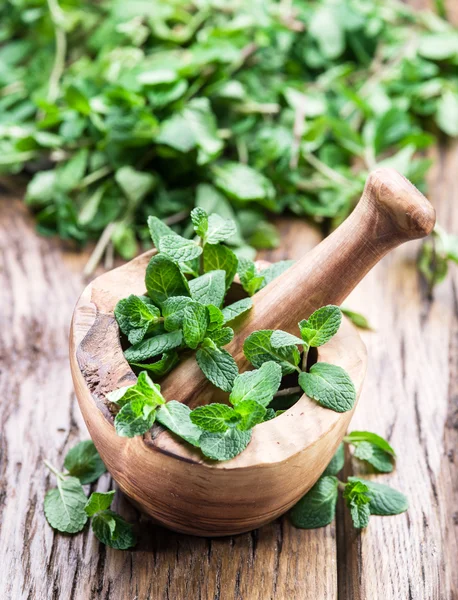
112 530
330 386
221 337
199 219
357 499
178 248
280 339
317 508
215 318
173 312
270 414
64 505
134 184
84 462
161 367
177 418
195 323
379 459
216 418
337 462
356 437
219 229
217 257
384 500
236 309
154 346
99 501
209 288
134 418
243 183
164 280
259 385
158 229
226 445
356 318
135 316
250 412
249 278
217 365
145 390
258 349
320 327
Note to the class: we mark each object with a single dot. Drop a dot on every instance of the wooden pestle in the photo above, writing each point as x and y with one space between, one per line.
390 212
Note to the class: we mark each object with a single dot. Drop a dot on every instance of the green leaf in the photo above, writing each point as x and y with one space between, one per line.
220 258
199 219
243 183
99 501
209 288
158 229
161 367
217 365
153 346
177 418
178 248
64 505
134 418
317 508
134 184
84 462
327 29
195 323
259 385
356 318
77 100
144 391
236 309
251 413
258 350
214 417
221 337
219 229
337 461
215 318
280 339
383 499
356 437
173 312
164 280
447 113
224 446
321 325
112 530
249 278
136 315
202 123
330 386
376 457
357 499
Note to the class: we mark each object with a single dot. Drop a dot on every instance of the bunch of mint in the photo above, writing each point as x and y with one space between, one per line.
68 509
363 497
118 110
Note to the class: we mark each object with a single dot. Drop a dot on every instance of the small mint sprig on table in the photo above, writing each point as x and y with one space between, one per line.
363 497
67 509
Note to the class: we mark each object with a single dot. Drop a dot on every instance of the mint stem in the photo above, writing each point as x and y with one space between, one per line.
53 469
288 391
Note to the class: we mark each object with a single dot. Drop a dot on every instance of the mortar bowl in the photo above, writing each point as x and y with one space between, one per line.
169 479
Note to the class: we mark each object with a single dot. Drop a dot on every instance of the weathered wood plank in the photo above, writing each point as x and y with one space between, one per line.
410 396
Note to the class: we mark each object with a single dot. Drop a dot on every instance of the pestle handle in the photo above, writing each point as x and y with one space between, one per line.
391 211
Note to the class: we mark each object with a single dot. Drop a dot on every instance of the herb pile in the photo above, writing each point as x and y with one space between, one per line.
184 310
68 509
121 110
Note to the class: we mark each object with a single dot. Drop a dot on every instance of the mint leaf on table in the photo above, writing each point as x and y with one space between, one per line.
330 386
236 309
357 499
317 508
214 417
99 501
178 248
177 418
356 318
280 339
173 312
161 367
199 219
164 280
259 385
250 413
373 449
258 349
225 445
356 437
321 325
134 418
84 462
112 530
209 288
250 279
158 229
384 500
219 229
221 337
154 346
217 365
64 505
217 257
135 316
195 323
337 461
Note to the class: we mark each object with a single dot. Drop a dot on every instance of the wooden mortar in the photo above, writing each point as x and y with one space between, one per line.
169 479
